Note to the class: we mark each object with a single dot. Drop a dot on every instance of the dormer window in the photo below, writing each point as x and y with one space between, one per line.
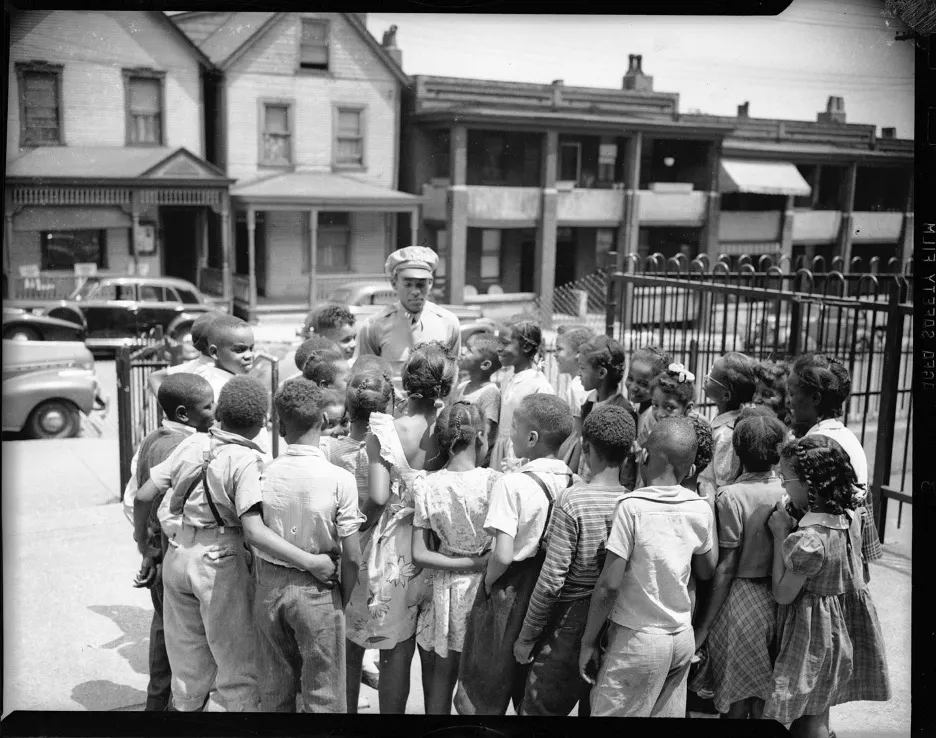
313 46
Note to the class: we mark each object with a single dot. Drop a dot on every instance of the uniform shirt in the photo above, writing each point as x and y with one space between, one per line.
577 535
658 530
131 489
308 502
233 477
743 509
393 332
518 506
725 467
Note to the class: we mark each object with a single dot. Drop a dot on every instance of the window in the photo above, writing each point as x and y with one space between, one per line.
116 291
493 168
151 293
349 137
334 242
570 162
276 134
144 108
63 249
189 297
490 255
313 45
40 88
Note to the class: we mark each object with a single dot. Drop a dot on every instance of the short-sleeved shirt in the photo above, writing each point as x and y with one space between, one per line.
308 502
519 506
233 477
726 466
195 366
575 394
487 398
743 509
132 484
827 550
658 530
393 332
834 428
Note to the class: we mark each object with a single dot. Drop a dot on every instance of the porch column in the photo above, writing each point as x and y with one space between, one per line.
847 228
457 217
786 231
135 229
8 237
544 264
313 254
227 288
628 237
415 222
251 261
905 246
709 241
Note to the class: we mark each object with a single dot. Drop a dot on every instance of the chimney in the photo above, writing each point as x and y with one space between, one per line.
389 43
743 110
635 79
889 133
557 91
834 112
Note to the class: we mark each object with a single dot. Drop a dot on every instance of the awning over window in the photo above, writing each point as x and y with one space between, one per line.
762 178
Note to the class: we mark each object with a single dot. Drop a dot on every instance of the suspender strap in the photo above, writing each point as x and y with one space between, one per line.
542 485
204 480
178 501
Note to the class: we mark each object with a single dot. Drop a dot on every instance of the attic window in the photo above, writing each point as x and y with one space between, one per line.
313 48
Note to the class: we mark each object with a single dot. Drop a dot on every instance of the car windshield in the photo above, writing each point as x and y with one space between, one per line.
86 290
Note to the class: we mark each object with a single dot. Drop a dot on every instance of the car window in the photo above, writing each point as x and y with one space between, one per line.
151 293
116 291
171 294
384 298
189 297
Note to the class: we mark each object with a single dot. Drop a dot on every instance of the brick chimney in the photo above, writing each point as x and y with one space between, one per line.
743 110
635 79
557 85
889 133
389 43
834 112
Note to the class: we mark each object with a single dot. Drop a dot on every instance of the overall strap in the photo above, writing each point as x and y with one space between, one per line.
204 480
542 485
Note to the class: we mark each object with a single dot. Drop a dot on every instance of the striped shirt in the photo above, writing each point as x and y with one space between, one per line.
575 552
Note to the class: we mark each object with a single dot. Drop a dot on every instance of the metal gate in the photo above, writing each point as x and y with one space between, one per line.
697 312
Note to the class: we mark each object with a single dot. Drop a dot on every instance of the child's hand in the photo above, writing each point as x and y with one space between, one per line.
481 562
324 568
780 522
149 573
588 662
522 652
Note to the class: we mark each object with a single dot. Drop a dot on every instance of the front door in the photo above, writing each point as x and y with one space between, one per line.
180 238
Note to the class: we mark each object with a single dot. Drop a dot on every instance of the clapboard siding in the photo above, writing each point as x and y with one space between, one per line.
94 47
369 242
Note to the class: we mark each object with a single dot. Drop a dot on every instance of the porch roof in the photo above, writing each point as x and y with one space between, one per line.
322 189
154 164
803 151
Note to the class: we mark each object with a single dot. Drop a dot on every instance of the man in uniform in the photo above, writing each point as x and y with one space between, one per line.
396 329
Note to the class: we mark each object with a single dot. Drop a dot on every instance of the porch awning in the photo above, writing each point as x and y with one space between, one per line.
322 189
762 178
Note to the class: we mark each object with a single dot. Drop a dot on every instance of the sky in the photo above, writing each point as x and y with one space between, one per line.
785 66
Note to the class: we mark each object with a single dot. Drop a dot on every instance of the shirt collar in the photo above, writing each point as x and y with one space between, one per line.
827 424
551 466
178 427
676 493
725 418
756 476
826 520
227 437
300 449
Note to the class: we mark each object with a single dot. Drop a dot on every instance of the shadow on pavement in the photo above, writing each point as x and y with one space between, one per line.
133 645
102 694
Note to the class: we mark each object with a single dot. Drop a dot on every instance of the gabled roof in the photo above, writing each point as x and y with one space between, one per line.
164 21
321 188
242 30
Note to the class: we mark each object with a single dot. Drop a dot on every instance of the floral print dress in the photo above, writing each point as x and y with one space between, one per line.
385 604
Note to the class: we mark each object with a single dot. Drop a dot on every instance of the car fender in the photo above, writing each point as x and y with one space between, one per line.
22 393
47 326
65 310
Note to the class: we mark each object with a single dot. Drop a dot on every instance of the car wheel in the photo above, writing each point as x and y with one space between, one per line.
22 333
54 419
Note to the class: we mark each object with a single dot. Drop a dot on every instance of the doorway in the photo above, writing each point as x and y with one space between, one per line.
180 237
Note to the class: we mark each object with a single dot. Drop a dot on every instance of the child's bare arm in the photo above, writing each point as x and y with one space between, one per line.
258 535
155 379
602 600
425 558
146 493
350 565
379 485
500 560
724 576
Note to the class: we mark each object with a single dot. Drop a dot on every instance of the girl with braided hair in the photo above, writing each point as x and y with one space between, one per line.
646 363
831 650
451 505
520 341
817 389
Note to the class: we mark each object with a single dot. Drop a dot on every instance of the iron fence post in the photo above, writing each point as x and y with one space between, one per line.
796 315
611 303
890 376
124 416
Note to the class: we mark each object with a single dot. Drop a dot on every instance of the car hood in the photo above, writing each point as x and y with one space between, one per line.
37 355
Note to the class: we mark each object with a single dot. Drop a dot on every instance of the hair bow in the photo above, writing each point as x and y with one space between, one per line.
683 375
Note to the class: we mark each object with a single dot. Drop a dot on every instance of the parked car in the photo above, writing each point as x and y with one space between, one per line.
47 385
118 308
367 298
21 325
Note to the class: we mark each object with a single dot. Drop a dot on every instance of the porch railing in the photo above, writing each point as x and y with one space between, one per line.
47 286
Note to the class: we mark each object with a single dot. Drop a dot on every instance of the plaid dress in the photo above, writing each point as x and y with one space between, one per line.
831 650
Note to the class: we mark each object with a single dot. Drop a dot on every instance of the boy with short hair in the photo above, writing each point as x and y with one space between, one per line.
197 365
336 323
660 532
578 533
480 360
730 384
518 514
313 505
215 481
305 350
188 405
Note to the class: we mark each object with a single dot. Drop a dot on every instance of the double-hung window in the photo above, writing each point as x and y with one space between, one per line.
144 92
313 46
40 88
349 137
276 146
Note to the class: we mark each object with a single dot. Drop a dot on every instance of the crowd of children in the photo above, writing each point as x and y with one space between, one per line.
607 547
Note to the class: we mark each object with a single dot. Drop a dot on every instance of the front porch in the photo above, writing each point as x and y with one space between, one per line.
301 235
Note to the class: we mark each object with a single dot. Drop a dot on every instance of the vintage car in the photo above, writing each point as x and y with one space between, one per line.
118 308
46 387
366 298
21 325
